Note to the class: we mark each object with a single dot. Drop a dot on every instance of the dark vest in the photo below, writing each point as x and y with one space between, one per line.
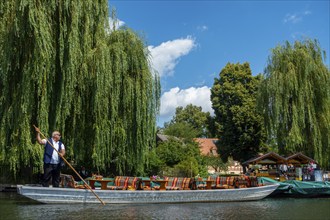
49 151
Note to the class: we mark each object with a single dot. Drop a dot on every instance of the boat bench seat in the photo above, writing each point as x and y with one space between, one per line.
241 182
178 183
229 182
244 181
125 183
198 183
223 182
67 181
252 181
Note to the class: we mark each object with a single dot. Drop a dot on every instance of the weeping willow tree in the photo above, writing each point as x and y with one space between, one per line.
295 100
63 68
132 102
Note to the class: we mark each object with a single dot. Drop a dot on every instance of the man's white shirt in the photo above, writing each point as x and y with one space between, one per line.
55 158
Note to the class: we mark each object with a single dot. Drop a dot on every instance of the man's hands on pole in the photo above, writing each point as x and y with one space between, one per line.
38 134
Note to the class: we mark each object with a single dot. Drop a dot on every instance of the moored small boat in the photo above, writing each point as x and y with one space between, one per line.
71 195
297 188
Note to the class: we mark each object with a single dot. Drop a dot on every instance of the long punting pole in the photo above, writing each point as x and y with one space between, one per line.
86 185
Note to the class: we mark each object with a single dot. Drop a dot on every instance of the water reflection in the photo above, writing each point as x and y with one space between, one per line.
17 207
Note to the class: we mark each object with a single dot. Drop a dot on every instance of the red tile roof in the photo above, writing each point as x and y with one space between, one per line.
207 146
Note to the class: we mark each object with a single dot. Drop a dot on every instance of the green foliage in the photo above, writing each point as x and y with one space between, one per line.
295 100
180 129
171 152
233 98
176 158
155 165
187 167
63 68
195 117
215 162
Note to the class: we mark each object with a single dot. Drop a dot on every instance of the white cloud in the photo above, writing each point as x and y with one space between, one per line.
165 57
298 35
176 97
295 17
202 28
115 23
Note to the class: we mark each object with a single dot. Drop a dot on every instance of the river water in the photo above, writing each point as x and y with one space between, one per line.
13 206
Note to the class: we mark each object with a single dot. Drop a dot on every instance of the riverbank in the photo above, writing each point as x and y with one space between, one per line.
8 188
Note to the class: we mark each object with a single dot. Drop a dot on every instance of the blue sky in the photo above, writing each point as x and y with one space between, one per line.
191 41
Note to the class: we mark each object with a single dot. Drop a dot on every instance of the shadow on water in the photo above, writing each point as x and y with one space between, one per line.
13 206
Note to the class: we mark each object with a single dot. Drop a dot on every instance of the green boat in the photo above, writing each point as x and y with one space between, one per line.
296 188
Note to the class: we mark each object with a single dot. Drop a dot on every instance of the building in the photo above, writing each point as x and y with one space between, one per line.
208 147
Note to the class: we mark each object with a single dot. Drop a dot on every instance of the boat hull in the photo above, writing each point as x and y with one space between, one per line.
69 195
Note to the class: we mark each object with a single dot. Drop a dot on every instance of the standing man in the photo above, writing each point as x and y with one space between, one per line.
52 161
